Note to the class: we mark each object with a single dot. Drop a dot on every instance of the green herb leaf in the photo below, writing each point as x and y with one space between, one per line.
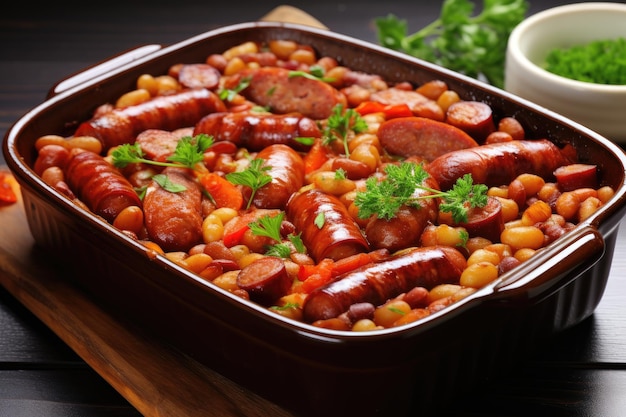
297 242
253 176
320 219
229 94
340 124
165 183
189 152
315 73
474 45
268 226
384 198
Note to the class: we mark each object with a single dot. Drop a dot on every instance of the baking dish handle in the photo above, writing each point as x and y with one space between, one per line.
102 68
547 272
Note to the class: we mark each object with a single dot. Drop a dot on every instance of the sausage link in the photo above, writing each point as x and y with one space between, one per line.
99 184
378 282
170 112
498 163
419 136
336 236
275 88
174 219
287 172
405 229
419 104
258 131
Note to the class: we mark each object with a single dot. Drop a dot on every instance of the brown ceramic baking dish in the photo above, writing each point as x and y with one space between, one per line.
309 370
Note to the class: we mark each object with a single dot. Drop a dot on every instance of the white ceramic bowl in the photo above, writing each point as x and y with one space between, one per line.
599 107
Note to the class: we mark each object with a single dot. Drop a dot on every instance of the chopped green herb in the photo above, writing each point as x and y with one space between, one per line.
340 124
253 176
320 219
189 152
229 94
385 197
601 62
165 183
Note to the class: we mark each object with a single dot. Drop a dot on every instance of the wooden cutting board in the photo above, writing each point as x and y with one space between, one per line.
156 380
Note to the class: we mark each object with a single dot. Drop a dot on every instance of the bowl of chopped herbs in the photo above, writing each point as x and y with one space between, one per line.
572 60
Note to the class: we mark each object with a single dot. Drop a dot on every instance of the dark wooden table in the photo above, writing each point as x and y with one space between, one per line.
581 372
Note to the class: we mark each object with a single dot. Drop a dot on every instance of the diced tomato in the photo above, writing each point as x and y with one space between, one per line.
7 194
390 111
233 238
350 263
316 157
314 276
223 192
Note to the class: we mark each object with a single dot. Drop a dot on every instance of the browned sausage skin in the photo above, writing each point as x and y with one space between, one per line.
256 131
99 184
286 168
283 93
335 235
170 112
405 229
498 163
419 136
174 219
378 282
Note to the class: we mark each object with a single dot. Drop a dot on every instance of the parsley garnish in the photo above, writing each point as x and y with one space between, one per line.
189 152
253 176
165 183
340 124
315 73
385 197
229 94
269 226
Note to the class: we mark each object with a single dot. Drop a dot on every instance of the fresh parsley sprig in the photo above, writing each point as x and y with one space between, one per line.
269 226
385 197
339 125
189 153
227 94
254 176
474 45
315 73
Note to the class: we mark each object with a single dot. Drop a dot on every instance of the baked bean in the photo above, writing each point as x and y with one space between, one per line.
567 205
52 175
411 316
483 255
539 211
212 228
241 49
513 127
303 56
524 254
442 291
478 275
447 98
605 194
523 237
130 218
133 98
432 89
365 325
368 154
197 262
510 209
332 183
149 83
588 207
227 281
88 143
389 312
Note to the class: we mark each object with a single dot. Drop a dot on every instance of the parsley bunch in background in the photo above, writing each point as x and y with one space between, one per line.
474 45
